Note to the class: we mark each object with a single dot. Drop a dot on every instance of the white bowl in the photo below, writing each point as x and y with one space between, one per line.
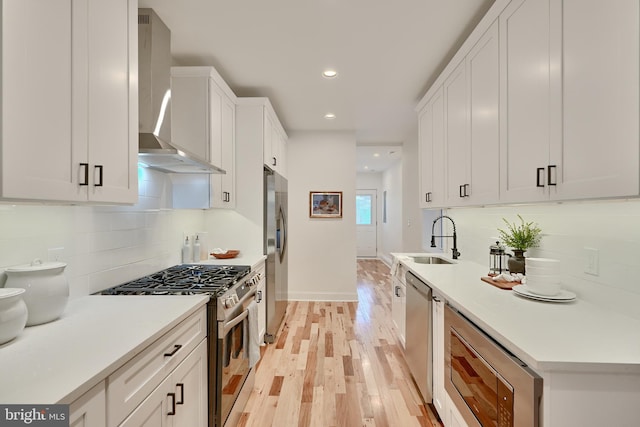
553 278
13 313
551 269
541 262
47 290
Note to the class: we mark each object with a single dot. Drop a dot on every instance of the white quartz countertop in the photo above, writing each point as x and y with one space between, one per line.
59 361
573 336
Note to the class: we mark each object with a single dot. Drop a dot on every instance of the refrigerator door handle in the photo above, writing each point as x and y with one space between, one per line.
281 234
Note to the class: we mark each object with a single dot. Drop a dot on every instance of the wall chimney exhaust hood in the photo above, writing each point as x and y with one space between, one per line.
154 97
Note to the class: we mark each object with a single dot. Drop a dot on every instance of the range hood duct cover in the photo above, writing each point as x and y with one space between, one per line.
154 102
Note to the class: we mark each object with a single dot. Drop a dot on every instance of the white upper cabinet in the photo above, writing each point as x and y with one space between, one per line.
472 134
275 144
600 139
431 152
529 101
456 131
203 122
483 162
69 130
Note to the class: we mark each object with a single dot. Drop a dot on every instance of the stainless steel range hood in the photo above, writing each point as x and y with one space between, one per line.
154 97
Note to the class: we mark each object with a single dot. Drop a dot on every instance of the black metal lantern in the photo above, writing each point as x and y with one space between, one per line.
497 259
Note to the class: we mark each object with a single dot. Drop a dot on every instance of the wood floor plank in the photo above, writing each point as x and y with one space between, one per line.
338 364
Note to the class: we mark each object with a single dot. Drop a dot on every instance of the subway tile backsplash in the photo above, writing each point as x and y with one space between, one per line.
611 227
103 245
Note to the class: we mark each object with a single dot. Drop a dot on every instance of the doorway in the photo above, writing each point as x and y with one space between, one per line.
366 223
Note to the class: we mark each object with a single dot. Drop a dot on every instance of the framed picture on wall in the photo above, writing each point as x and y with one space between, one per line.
325 204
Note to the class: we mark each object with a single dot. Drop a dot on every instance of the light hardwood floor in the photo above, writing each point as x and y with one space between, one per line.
338 364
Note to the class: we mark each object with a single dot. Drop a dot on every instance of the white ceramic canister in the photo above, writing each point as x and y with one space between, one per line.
47 289
13 313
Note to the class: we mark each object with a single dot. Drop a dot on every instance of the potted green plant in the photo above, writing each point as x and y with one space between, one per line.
520 237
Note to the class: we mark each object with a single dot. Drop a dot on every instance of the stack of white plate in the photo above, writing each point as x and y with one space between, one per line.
543 281
543 275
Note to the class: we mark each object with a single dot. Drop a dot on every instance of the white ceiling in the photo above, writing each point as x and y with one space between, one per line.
386 53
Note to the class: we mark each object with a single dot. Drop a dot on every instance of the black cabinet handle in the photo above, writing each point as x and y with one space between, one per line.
460 191
435 298
176 347
274 162
173 403
181 387
86 173
99 181
549 182
397 292
466 188
259 297
538 180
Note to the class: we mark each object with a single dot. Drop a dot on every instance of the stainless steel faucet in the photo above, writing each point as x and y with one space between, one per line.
455 251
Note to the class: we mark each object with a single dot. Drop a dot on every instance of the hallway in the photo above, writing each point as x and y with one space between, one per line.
338 364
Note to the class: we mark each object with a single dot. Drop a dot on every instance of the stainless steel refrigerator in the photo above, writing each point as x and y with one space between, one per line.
275 247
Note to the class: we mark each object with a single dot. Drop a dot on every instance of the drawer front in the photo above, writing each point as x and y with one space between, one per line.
134 381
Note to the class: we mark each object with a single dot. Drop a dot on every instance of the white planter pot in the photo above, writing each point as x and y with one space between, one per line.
13 313
46 289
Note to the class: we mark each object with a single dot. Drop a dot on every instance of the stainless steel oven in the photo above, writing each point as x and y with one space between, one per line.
235 378
489 386
231 290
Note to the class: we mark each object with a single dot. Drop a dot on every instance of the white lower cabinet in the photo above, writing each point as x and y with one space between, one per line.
399 302
439 393
453 417
146 388
261 300
180 400
90 409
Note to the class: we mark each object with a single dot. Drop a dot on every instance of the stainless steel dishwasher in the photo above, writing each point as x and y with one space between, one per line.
418 346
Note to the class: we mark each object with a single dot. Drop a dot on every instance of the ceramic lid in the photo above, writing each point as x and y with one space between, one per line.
36 265
11 292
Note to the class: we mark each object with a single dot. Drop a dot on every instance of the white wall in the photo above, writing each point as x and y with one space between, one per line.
392 229
103 246
611 227
322 252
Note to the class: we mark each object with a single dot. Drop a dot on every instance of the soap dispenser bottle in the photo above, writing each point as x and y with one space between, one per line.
186 251
196 249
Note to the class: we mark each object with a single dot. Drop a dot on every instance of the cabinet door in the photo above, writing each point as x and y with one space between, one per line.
154 410
526 99
223 186
112 100
431 152
90 409
456 119
189 382
439 393
483 71
600 150
39 137
267 147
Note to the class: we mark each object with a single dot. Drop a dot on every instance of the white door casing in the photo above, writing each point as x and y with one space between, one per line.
366 223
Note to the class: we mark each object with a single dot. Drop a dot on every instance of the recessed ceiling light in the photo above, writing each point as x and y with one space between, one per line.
366 167
329 74
376 154
329 116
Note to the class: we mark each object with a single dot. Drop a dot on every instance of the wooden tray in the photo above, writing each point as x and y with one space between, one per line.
499 284
229 254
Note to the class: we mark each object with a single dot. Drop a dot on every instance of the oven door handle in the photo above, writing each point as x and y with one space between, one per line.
224 328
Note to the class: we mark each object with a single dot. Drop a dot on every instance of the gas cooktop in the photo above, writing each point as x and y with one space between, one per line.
185 279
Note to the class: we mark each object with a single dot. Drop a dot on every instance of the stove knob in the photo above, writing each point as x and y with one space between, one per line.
235 299
229 302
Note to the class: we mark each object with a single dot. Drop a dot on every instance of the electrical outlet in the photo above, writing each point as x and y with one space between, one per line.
56 254
592 261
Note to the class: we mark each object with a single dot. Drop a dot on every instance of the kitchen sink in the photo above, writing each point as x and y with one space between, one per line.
430 260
